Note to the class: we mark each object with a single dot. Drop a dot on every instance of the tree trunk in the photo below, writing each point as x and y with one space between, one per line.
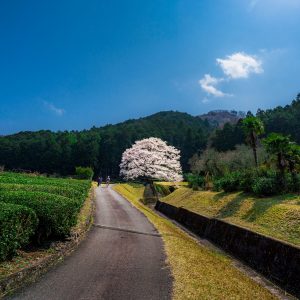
253 144
281 168
293 172
150 194
153 189
255 156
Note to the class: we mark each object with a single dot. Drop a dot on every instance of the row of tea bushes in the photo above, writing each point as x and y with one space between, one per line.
56 214
53 202
17 225
17 178
64 191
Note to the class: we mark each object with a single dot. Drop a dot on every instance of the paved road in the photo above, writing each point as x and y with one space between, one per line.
109 264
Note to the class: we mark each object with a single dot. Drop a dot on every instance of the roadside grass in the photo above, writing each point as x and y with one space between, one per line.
277 216
23 260
198 272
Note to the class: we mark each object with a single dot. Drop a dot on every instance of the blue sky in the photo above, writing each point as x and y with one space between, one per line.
73 64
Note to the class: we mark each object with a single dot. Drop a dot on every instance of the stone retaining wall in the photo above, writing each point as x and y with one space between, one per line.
277 260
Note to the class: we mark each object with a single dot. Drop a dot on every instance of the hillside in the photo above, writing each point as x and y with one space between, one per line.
276 216
101 148
285 120
185 132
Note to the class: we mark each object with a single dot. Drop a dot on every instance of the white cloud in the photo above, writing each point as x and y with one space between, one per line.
54 109
208 84
240 65
205 100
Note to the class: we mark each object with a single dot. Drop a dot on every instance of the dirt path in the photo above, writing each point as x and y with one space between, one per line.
112 263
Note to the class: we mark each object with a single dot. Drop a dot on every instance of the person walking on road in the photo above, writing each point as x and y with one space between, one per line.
99 180
107 181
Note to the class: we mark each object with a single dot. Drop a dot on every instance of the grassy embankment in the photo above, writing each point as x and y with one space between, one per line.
199 273
165 188
277 216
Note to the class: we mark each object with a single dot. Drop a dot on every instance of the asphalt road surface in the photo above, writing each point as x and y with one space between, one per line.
121 258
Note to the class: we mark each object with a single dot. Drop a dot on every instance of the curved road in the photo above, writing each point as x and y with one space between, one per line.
112 263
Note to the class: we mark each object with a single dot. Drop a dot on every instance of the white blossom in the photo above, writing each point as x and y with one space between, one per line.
151 158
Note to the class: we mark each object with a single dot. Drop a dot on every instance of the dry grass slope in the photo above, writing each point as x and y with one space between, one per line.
278 216
199 273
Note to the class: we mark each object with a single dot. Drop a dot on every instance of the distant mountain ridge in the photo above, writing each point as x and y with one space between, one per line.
284 120
218 118
102 147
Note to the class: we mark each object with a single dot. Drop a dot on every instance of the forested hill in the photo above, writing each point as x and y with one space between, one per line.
101 148
285 120
185 132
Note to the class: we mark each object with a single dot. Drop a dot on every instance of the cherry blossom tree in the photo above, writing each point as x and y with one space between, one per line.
151 159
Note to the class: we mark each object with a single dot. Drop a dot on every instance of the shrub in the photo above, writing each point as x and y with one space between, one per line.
265 186
17 225
220 163
56 214
229 183
84 172
195 181
246 180
259 181
217 184
292 182
163 190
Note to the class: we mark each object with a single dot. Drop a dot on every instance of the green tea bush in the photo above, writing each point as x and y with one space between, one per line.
65 191
18 178
56 214
17 225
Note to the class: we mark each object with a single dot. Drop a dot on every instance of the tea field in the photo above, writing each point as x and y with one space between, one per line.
35 209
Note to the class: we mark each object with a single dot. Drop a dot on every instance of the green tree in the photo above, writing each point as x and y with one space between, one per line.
84 172
253 127
293 157
228 137
279 146
293 160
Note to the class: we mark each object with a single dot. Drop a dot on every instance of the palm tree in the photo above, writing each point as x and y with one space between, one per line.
280 146
293 160
253 127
